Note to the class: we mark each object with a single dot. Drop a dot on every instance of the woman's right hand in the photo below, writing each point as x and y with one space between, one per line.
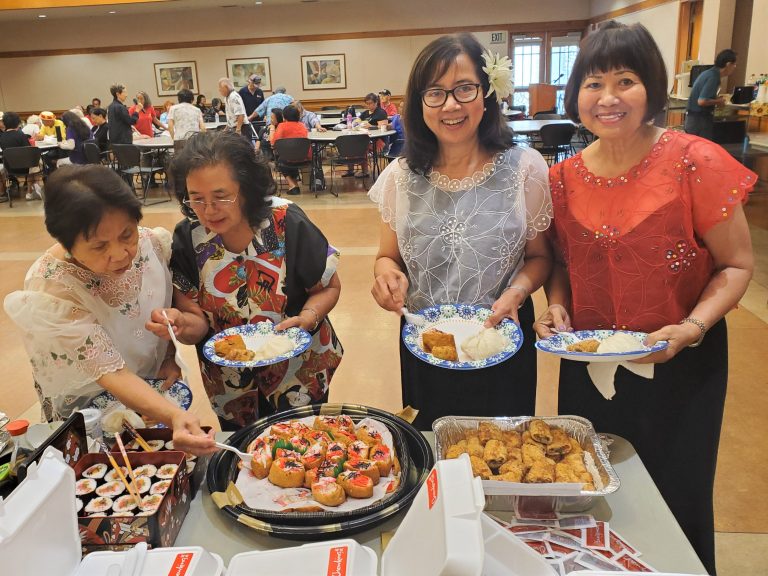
157 323
555 317
389 290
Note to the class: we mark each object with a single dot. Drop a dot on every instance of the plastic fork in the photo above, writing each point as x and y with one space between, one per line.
179 360
244 456
415 319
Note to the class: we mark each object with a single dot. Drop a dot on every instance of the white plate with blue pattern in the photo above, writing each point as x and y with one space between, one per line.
463 321
559 343
254 336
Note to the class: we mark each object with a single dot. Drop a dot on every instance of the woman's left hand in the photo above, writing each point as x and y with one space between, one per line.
169 372
505 307
679 336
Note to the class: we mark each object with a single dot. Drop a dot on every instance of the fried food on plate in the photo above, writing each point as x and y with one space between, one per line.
590 346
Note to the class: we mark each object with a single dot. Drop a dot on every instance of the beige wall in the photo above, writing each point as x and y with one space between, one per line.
58 82
757 60
716 28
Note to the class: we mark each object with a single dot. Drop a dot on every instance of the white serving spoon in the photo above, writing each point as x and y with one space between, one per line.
179 360
244 456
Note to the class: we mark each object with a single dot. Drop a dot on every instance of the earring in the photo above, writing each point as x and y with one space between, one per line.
67 255
484 108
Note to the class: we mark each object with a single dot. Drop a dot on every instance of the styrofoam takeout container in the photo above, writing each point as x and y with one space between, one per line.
443 534
39 515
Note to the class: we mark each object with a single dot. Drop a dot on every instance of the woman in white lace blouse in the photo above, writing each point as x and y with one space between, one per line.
87 298
462 214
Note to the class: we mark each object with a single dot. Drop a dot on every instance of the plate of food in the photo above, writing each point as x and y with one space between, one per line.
599 345
255 345
179 393
453 337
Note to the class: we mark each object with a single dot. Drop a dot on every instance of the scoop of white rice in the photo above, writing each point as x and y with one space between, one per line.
618 343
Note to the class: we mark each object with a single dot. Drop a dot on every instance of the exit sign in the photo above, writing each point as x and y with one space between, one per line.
498 37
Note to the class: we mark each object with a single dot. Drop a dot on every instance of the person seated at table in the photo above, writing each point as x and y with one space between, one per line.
147 115
201 103
14 137
309 119
77 134
385 101
373 113
291 127
100 130
264 143
96 102
184 119
50 124
244 256
78 110
32 126
396 123
86 301
121 121
166 107
215 112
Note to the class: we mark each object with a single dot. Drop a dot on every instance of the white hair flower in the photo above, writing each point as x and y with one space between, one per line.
499 70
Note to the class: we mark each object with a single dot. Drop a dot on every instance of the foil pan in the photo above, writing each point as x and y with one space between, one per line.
450 429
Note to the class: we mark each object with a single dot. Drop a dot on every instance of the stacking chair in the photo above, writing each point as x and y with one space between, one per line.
352 149
394 150
128 158
291 153
92 153
556 142
547 115
18 162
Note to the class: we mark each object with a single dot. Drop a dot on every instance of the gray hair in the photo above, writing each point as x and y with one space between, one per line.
34 119
280 90
227 82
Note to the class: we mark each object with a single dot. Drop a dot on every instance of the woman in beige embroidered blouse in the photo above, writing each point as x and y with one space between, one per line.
86 300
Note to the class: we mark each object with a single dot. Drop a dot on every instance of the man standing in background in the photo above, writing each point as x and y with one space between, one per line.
699 119
233 105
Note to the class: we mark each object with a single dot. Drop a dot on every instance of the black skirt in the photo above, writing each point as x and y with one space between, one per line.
673 421
505 389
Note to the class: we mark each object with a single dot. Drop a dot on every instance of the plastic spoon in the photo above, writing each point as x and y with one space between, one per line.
415 319
244 456
179 360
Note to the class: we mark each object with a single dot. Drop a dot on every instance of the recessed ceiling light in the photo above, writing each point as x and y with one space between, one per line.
42 16
258 3
113 11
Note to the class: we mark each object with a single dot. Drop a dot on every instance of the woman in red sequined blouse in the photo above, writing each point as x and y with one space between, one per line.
650 236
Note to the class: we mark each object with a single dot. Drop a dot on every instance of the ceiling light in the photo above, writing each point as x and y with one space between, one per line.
41 16
258 3
113 11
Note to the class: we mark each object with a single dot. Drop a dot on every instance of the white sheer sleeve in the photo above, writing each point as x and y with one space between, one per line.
384 191
67 347
161 242
538 202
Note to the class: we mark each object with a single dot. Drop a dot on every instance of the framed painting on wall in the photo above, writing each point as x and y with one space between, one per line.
323 72
239 70
171 77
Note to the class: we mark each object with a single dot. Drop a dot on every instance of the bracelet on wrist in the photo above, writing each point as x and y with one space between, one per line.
317 318
701 326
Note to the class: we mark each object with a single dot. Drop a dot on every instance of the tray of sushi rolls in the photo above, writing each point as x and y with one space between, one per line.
109 517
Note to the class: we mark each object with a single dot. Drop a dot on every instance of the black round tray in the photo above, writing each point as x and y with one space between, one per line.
223 466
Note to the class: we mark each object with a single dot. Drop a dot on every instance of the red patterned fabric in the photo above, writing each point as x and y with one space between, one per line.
633 244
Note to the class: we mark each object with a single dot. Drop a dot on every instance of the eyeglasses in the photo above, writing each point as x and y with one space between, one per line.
436 97
201 204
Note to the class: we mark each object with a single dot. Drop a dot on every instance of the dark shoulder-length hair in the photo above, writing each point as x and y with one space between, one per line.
77 197
72 120
617 46
422 147
251 171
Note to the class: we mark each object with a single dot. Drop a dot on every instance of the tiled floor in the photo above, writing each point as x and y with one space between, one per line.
369 373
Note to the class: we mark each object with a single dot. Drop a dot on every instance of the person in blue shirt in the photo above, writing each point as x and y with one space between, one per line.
699 119
278 100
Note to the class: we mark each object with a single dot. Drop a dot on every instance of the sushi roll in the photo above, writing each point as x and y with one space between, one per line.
147 470
143 484
368 435
344 437
97 515
261 461
78 504
169 445
85 486
356 484
160 487
156 445
96 471
358 450
111 489
327 492
336 453
99 505
167 471
113 476
281 430
151 502
287 473
314 456
123 513
366 467
383 458
124 504
146 512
